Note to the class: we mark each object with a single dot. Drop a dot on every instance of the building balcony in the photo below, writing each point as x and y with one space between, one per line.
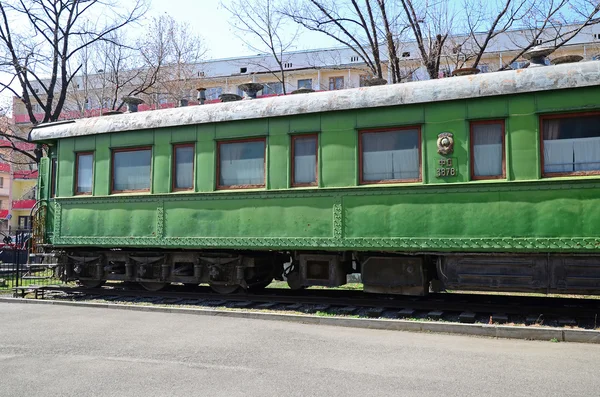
23 204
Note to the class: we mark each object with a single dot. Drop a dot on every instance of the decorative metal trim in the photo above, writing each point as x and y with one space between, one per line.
395 244
160 220
338 219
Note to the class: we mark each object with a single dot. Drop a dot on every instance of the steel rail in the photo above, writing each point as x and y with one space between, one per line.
445 302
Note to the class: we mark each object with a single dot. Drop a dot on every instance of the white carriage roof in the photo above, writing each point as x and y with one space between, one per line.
582 74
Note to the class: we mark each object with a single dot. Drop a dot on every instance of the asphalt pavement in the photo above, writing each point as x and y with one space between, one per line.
72 351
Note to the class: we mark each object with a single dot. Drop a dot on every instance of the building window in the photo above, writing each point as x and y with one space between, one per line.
304 160
84 173
571 144
131 170
519 65
272 88
336 83
362 80
183 166
53 177
1 181
390 155
487 150
24 222
305 83
241 163
213 93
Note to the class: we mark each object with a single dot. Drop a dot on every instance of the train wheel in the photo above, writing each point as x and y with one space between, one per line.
224 289
153 286
92 283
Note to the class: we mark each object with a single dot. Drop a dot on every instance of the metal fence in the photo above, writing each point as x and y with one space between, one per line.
19 268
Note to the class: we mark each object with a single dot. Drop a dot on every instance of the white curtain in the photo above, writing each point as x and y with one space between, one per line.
587 154
242 163
390 155
305 160
184 167
487 149
132 170
84 173
558 155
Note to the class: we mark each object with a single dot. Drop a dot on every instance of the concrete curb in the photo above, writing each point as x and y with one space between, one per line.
492 331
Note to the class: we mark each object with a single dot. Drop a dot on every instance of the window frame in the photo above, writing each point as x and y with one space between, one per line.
218 175
112 168
473 123
292 175
77 154
174 167
361 180
552 116
332 80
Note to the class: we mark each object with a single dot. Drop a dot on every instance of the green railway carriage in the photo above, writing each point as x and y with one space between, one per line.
485 182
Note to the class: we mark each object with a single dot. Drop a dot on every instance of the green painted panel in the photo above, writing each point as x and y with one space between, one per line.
523 160
338 141
161 166
102 170
44 179
241 129
205 166
305 123
66 168
85 143
521 105
279 126
279 161
205 132
446 117
487 108
132 138
548 214
123 219
182 134
291 217
390 116
580 98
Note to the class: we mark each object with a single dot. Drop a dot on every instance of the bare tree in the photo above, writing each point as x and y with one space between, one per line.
554 23
527 23
170 55
40 39
430 23
260 25
355 26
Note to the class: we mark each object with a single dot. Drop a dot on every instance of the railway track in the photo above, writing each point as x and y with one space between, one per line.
459 307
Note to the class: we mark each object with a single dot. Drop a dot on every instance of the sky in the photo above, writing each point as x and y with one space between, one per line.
210 20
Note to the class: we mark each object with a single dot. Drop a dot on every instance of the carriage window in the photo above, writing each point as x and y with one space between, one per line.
304 160
487 150
241 163
571 144
390 156
131 170
84 173
183 167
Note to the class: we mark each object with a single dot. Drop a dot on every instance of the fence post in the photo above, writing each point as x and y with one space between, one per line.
18 270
